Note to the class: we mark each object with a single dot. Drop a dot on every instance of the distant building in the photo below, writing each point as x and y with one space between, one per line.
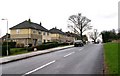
70 37
58 35
5 38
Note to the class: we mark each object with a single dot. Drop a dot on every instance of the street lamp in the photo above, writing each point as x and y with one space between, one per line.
6 35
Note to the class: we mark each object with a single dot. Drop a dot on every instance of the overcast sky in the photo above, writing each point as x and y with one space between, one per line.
103 13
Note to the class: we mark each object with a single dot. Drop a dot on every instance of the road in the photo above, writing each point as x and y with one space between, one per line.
77 60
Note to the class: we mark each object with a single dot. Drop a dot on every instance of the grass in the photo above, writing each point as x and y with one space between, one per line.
111 57
16 51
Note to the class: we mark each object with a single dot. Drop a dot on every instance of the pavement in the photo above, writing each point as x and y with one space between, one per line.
31 54
75 60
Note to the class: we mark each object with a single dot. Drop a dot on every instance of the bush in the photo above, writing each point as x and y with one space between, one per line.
14 51
46 46
17 49
63 44
50 42
30 45
29 49
20 45
3 51
11 44
71 43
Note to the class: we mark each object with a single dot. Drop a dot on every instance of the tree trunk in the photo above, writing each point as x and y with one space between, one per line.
81 32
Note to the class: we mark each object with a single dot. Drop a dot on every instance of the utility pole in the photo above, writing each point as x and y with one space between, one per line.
7 36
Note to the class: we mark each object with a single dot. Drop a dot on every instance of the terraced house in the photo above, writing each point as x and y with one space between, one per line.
29 33
58 35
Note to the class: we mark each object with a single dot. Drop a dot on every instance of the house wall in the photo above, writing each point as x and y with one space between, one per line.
62 38
55 37
46 37
59 37
26 36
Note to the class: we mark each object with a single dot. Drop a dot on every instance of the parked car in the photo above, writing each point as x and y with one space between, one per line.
78 43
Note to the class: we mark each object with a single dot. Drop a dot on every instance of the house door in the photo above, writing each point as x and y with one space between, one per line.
34 42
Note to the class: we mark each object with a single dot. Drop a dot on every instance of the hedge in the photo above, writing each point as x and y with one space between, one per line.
3 51
11 44
47 46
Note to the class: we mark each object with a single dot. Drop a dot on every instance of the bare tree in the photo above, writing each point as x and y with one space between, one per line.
79 24
94 35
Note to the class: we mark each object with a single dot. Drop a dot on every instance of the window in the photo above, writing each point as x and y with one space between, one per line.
47 33
39 32
48 40
44 41
34 31
18 31
43 33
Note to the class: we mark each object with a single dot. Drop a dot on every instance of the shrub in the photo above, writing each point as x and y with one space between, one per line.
3 51
46 46
29 49
63 44
20 45
11 44
30 45
17 50
71 43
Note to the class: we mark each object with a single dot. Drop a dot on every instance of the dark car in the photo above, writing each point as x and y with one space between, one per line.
78 43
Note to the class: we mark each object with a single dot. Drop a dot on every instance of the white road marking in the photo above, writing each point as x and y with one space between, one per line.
69 54
80 49
39 68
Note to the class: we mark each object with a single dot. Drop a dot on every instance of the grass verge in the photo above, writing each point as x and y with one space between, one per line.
16 51
111 57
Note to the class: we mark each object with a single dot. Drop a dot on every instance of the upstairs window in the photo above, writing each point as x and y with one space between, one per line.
47 33
43 33
17 31
34 31
39 32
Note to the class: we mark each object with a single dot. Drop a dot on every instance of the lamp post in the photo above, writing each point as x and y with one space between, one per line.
7 35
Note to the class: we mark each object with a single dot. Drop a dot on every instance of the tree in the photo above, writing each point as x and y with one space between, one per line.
79 24
94 35
108 36
85 38
118 35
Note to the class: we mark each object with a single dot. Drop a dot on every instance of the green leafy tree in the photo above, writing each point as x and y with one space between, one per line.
108 36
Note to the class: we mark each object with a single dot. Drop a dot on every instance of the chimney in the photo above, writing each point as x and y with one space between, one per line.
55 27
40 24
29 20
60 29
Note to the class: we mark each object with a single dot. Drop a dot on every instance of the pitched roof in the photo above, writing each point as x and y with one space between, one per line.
27 24
6 36
55 30
71 34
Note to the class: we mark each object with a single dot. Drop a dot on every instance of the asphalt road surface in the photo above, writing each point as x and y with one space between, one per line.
77 60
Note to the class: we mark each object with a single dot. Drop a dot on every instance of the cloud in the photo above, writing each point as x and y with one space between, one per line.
108 16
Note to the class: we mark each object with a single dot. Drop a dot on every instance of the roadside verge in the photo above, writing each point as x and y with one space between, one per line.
31 54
